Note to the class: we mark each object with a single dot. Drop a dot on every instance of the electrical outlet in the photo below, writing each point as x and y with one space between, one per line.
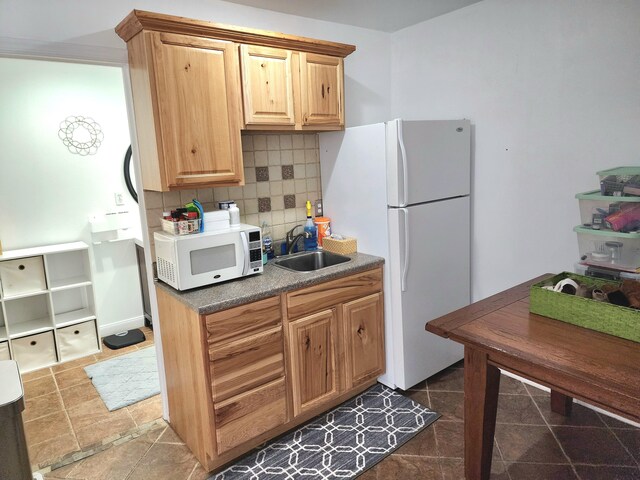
119 198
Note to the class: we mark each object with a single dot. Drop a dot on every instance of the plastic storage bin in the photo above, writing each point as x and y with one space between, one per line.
619 251
620 181
594 203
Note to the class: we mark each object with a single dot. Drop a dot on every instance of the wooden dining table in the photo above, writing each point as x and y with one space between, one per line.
499 332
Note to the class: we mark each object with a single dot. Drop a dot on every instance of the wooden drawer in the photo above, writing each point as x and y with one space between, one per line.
319 297
250 414
244 320
241 365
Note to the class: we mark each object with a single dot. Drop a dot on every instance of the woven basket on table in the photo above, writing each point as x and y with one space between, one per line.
603 317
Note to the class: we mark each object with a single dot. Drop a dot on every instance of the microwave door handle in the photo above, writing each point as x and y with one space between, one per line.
245 249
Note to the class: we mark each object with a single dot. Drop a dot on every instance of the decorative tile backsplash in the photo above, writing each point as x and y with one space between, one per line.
281 173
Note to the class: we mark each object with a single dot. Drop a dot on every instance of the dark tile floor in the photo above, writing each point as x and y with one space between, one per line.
531 443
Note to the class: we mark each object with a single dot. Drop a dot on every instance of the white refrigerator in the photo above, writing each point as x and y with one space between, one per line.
402 189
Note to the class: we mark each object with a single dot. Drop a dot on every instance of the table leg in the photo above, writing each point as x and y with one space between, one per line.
481 384
561 403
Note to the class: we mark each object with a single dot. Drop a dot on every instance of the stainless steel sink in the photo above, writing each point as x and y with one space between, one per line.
310 261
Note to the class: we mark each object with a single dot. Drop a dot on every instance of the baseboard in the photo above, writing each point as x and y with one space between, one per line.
592 407
120 326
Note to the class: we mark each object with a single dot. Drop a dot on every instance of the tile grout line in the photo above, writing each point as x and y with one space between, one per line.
619 441
145 454
435 434
544 419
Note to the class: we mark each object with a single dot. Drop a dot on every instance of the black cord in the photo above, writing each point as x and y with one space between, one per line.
127 174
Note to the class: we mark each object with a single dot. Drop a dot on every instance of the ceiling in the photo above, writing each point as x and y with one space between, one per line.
383 15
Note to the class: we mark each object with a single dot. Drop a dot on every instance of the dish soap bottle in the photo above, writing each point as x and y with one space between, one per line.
310 231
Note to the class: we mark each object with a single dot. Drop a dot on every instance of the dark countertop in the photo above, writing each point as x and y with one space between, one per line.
272 281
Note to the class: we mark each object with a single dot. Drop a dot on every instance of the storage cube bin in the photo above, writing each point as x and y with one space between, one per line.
34 351
24 275
4 351
599 248
77 340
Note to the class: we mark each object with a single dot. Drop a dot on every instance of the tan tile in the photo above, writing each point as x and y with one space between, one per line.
146 410
165 460
71 377
117 423
401 467
80 362
88 413
114 463
46 453
43 405
74 396
43 372
47 427
41 386
199 473
169 436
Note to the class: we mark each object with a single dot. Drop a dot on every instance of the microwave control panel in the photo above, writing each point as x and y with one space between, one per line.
255 250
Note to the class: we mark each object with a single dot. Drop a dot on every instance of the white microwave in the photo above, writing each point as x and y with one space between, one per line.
190 261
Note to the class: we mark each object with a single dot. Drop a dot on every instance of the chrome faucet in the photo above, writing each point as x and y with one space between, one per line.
291 240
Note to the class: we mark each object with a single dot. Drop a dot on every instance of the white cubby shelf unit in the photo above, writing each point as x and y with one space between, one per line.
47 306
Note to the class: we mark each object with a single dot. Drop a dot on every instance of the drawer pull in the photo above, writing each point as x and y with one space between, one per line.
33 342
76 332
21 267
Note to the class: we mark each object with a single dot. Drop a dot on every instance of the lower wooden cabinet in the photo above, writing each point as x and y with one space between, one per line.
250 414
364 339
241 376
314 373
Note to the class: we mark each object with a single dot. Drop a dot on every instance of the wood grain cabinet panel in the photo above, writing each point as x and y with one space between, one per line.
363 321
267 80
313 350
250 414
244 364
324 295
186 94
322 90
244 320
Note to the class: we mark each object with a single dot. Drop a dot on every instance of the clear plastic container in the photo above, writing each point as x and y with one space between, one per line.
593 204
619 251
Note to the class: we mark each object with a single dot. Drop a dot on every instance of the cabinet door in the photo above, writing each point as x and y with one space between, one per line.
267 86
321 78
312 342
364 339
198 109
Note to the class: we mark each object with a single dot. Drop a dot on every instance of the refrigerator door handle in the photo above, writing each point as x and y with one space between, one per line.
403 159
405 263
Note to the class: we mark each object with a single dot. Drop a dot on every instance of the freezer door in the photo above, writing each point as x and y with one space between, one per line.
430 277
427 160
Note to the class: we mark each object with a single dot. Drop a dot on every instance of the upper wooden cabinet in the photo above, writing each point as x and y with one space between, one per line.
267 81
194 91
188 95
321 88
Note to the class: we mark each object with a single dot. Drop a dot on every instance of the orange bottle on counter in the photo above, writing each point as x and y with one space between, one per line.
323 224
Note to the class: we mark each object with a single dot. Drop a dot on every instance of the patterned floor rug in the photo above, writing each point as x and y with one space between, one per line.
126 379
340 444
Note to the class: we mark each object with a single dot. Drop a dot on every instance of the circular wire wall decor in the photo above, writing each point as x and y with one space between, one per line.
81 135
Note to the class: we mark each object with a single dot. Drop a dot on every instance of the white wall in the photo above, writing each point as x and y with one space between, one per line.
551 88
48 193
85 30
